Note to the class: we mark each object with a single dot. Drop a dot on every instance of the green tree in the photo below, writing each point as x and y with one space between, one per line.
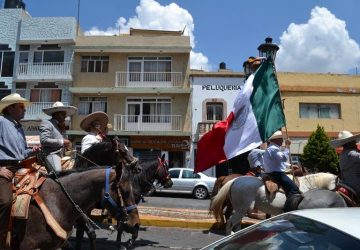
318 155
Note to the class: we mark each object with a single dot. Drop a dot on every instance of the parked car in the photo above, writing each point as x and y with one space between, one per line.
325 228
187 182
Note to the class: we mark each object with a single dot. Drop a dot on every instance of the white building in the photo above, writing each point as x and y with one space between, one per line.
213 95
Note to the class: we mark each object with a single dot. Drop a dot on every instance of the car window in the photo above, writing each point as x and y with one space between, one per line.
187 174
196 176
174 173
290 232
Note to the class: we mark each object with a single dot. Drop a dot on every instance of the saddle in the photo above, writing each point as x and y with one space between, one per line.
349 195
27 182
271 187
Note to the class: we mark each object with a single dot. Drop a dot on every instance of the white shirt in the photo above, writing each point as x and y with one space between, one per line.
89 140
275 160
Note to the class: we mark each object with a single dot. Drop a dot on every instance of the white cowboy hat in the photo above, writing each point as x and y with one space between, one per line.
12 99
277 135
343 138
99 116
59 106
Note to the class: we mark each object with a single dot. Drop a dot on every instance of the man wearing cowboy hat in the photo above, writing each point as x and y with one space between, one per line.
275 165
13 149
95 124
52 133
349 159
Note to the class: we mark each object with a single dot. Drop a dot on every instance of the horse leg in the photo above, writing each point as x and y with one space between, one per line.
83 225
228 210
234 223
79 234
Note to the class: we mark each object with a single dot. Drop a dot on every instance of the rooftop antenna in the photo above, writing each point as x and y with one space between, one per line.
182 33
78 18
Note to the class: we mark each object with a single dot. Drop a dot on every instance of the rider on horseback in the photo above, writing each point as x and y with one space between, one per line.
349 161
275 164
13 149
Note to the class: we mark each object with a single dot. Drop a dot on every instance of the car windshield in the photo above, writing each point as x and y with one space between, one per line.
289 232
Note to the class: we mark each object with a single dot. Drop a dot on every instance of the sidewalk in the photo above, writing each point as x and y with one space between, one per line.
177 217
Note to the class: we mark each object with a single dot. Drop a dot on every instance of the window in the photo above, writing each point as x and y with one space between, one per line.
150 69
6 63
48 56
153 110
4 91
174 173
214 111
21 88
91 104
94 64
45 92
319 111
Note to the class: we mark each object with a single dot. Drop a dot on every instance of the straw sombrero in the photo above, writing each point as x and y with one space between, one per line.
277 135
343 138
12 99
99 116
59 106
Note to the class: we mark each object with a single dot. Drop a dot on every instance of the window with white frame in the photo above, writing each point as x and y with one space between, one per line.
48 56
94 64
150 69
151 110
214 111
320 111
45 92
91 104
20 88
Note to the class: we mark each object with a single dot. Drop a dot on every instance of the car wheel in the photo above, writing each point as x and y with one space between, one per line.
200 192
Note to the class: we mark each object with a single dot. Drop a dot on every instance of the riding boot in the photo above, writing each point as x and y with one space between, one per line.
292 202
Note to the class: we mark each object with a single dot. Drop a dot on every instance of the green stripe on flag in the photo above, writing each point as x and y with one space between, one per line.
266 101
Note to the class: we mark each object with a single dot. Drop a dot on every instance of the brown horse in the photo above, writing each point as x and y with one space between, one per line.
85 188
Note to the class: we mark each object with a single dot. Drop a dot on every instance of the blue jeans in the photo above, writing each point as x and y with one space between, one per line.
285 182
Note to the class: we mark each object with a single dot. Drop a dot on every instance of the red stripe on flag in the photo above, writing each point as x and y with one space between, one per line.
210 148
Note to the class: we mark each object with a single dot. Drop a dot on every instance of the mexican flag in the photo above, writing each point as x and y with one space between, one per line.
257 113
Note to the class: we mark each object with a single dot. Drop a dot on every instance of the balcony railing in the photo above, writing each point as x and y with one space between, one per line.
149 79
202 128
35 71
147 122
34 111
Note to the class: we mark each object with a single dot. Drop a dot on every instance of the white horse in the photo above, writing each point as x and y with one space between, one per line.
247 192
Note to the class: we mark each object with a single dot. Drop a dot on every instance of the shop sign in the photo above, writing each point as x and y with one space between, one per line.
166 143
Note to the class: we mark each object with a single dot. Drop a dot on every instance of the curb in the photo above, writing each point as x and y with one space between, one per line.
157 221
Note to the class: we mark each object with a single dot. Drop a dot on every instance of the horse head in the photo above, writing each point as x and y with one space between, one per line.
162 173
124 157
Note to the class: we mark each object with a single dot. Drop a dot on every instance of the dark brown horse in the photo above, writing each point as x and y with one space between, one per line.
156 170
112 152
85 188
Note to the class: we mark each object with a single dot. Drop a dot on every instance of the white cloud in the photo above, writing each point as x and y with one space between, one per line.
321 45
151 15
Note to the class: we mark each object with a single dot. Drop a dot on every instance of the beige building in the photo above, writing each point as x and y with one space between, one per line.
141 81
330 100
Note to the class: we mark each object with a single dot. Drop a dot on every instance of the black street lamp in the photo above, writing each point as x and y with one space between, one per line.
251 65
268 49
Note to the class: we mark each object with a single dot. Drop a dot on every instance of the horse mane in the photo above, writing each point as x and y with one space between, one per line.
78 170
321 180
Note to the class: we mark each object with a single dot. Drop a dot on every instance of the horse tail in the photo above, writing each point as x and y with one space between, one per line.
217 202
218 184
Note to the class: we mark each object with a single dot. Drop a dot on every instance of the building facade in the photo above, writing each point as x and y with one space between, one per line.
36 56
213 95
140 80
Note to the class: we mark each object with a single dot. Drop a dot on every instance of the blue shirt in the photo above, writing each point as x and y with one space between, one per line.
255 158
275 160
12 140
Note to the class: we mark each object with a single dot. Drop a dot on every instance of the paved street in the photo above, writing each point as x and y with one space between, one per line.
152 238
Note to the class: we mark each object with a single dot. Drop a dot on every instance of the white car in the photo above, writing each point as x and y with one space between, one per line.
323 228
187 182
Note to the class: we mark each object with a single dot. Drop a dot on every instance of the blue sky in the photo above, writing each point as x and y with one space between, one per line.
314 36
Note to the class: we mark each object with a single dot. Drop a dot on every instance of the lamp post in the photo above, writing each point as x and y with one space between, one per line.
268 49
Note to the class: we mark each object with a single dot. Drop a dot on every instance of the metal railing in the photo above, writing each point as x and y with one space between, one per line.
149 79
56 70
202 128
34 111
147 122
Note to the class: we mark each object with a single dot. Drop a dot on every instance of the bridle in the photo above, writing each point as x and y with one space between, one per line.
129 165
162 168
